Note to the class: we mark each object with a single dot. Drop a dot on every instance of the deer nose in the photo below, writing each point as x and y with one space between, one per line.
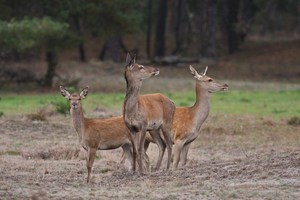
156 71
74 104
225 87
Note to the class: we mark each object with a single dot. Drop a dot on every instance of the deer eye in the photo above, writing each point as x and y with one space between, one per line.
210 80
141 67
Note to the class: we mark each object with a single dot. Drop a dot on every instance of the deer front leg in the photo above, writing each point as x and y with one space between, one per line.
90 161
132 137
141 151
137 157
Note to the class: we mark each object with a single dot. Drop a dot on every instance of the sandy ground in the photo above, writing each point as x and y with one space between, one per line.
252 158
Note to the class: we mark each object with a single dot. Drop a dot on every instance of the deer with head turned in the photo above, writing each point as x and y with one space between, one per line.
188 120
97 134
142 113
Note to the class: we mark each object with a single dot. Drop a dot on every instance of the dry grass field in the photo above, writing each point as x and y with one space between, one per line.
236 156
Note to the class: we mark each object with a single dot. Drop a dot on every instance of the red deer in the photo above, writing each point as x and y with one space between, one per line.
151 112
97 134
188 120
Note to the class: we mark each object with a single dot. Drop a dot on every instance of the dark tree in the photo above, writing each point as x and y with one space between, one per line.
160 29
206 22
178 27
113 49
248 10
229 22
78 28
51 58
149 29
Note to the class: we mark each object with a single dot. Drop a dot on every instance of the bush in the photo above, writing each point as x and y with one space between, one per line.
1 113
62 107
40 115
295 121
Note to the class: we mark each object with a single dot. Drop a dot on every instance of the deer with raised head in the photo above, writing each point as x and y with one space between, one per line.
188 120
97 134
151 112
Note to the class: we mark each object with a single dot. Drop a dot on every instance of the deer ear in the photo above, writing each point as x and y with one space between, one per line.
84 92
130 60
194 72
64 92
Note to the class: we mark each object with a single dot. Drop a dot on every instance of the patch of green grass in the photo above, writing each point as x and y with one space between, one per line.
260 103
105 170
10 152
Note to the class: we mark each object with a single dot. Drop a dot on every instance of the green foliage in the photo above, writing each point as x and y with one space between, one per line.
112 17
18 36
1 114
61 107
263 103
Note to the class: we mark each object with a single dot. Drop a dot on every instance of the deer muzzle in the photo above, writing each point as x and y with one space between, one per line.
225 87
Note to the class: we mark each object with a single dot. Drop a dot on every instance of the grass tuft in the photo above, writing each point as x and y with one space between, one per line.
10 152
295 121
40 115
56 153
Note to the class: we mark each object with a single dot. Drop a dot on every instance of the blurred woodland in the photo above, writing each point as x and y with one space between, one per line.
163 31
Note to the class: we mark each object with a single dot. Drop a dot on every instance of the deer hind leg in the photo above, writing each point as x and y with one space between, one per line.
183 156
123 158
166 130
161 147
127 153
90 161
177 151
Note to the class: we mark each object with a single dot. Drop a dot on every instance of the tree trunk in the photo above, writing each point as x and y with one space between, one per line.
51 58
206 21
160 29
230 9
81 50
247 14
113 49
149 28
178 31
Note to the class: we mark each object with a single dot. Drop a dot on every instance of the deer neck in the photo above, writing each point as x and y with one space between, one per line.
202 105
131 108
78 122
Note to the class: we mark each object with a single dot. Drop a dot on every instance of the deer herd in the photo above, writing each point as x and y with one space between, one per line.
150 118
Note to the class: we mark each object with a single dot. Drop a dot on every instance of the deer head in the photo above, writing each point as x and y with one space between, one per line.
74 98
136 71
208 83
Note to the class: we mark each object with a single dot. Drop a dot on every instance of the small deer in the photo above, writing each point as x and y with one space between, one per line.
188 120
151 112
97 134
